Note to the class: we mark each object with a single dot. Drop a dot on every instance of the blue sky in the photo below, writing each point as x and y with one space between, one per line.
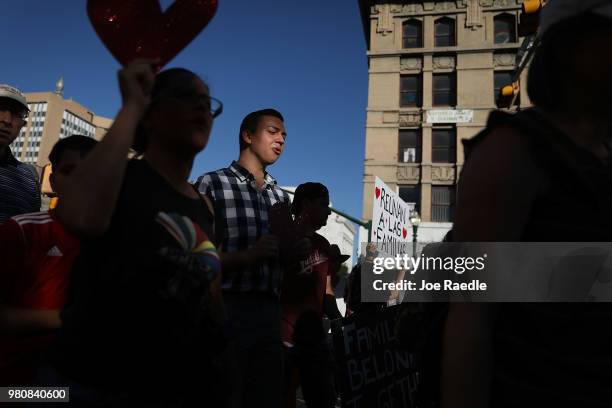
304 58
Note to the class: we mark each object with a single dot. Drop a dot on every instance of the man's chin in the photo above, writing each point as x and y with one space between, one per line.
5 140
270 161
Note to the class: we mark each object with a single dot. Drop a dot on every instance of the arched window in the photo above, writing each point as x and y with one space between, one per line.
444 31
412 34
504 29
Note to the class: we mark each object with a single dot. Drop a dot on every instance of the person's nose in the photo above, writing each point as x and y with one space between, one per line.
280 139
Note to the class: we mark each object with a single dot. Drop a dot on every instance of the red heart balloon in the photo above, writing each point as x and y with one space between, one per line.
377 192
404 232
138 29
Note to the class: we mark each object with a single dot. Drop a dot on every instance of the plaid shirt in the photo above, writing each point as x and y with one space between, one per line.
244 207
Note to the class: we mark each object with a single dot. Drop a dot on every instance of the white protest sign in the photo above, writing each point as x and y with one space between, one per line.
390 220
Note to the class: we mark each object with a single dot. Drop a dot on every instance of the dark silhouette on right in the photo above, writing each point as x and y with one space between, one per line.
541 175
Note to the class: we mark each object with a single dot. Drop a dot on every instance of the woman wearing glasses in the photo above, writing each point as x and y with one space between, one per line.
145 316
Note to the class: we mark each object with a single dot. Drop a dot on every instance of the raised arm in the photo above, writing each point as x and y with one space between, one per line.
89 200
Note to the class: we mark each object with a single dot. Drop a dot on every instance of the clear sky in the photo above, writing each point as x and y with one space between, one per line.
305 58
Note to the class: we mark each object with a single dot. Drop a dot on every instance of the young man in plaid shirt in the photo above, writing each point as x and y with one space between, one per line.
243 194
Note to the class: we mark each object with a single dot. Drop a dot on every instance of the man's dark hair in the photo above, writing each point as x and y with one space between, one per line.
548 70
251 121
79 143
307 191
173 81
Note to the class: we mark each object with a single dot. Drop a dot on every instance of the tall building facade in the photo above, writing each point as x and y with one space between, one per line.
51 118
435 69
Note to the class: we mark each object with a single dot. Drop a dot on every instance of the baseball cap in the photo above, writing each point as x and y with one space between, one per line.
336 255
556 11
7 91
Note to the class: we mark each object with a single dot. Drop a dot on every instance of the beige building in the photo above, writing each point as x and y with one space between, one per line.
52 117
435 68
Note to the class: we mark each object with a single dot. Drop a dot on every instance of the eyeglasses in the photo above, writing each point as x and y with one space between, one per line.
213 105
16 109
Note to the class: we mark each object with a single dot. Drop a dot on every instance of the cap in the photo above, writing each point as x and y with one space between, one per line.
556 11
7 91
336 255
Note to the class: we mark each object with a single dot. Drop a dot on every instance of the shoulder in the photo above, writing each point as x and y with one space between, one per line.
35 218
27 168
16 171
212 180
521 132
505 152
508 145
498 186
283 196
31 223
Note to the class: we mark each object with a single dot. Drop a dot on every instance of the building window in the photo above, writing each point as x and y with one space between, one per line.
442 203
411 90
409 146
501 79
444 29
443 146
411 194
504 29
412 34
444 90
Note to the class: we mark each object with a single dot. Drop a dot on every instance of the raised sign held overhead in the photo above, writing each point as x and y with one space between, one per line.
390 220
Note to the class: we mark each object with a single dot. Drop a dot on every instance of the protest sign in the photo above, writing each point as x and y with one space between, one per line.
375 372
390 220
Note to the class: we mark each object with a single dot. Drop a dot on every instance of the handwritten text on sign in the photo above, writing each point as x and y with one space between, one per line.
374 371
390 218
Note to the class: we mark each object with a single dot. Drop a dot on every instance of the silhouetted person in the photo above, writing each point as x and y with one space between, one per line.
144 317
524 177
307 295
37 254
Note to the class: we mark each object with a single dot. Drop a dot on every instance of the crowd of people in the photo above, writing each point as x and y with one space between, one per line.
141 288
139 280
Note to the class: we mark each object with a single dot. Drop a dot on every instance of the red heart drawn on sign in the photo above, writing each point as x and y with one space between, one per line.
404 232
377 192
138 29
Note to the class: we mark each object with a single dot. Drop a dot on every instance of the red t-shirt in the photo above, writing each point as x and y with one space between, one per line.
36 255
305 290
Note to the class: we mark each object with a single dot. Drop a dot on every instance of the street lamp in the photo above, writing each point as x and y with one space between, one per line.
415 220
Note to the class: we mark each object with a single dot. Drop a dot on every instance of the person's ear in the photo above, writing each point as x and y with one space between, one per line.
247 137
